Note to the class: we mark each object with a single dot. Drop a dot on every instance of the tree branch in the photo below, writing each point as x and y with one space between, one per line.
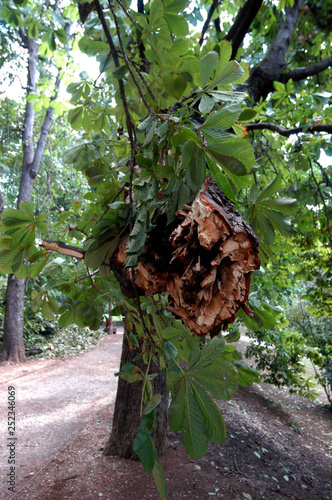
45 128
242 23
302 73
208 19
261 79
287 132
59 246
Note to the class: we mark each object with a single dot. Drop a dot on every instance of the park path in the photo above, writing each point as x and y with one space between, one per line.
54 400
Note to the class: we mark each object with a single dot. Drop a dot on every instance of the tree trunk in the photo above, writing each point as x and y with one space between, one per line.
13 347
126 419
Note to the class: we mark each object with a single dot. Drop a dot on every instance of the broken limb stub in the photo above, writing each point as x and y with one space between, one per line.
204 260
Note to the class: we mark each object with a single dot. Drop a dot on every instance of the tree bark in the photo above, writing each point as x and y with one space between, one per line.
13 347
261 79
242 23
126 419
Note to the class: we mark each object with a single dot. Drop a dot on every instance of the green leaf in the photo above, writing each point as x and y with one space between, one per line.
195 168
37 300
185 134
247 115
220 379
210 353
20 270
230 163
97 257
270 189
229 96
225 53
222 119
143 445
236 155
230 73
177 24
37 267
233 336
67 318
75 117
177 409
46 310
279 222
207 66
247 376
159 478
33 31
206 104
12 217
220 179
175 6
178 86
120 72
152 404
194 441
214 424
284 205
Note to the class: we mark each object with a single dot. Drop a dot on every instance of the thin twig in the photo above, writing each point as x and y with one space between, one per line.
103 68
92 283
127 60
85 277
130 17
112 201
138 71
323 201
181 101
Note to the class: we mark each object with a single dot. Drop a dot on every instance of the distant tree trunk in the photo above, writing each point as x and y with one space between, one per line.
126 419
13 347
2 201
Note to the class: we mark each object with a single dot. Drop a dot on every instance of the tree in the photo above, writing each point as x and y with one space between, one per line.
168 114
25 27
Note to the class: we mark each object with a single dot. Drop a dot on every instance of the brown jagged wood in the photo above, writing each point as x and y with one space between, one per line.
60 247
204 260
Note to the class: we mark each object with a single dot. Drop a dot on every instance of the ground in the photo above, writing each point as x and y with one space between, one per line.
278 445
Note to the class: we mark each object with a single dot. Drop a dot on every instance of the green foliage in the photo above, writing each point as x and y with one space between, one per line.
146 137
18 229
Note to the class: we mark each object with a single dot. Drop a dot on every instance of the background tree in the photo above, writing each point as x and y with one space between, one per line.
28 22
163 89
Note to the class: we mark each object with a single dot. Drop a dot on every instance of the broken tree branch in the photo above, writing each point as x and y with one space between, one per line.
204 260
60 247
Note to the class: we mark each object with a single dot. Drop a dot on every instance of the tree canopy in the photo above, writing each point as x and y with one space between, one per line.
233 93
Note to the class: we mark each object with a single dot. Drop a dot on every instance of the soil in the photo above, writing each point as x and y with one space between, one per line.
278 445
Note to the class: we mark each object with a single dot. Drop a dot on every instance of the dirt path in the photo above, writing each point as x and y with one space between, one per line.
54 400
278 445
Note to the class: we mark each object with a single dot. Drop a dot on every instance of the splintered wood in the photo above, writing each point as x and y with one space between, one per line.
204 261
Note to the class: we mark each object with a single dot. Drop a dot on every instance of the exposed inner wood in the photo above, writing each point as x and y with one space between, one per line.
204 260
60 247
